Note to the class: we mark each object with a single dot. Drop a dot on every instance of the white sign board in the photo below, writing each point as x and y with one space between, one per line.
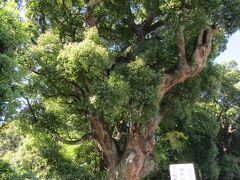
182 172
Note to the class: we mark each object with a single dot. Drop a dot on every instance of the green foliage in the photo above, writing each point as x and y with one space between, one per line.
6 172
12 36
86 58
12 29
229 168
64 17
41 157
201 148
143 90
176 140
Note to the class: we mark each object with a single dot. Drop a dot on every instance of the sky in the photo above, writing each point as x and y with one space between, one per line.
232 51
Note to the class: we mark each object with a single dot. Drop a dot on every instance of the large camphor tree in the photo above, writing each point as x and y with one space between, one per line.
104 71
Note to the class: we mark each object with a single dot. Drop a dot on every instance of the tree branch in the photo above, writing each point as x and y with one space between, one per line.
140 31
152 125
182 62
154 26
184 71
55 133
230 130
35 120
77 90
149 20
199 58
80 91
89 14
70 142
106 143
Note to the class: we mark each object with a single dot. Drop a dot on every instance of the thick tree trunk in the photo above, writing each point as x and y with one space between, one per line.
136 161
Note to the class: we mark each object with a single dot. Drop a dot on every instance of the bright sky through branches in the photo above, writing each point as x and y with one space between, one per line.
233 50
